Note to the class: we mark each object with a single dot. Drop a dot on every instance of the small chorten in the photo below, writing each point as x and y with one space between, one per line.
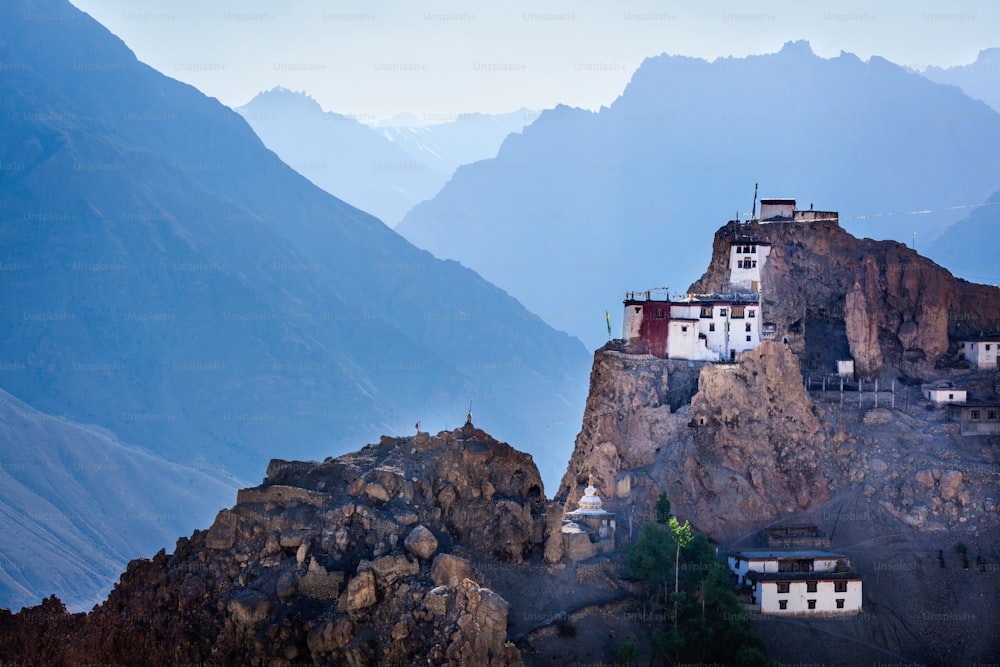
590 502
589 530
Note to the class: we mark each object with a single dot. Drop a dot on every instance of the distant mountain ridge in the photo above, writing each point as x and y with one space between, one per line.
980 79
341 155
583 206
168 278
385 170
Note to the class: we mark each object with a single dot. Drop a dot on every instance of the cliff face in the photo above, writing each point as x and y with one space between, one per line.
754 446
836 296
748 448
369 558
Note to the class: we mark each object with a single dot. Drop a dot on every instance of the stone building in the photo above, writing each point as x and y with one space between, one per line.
977 418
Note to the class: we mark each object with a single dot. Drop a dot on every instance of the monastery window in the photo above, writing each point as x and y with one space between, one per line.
684 328
738 312
711 326
840 587
751 312
638 308
659 313
722 312
783 586
748 327
974 414
991 414
811 586
753 249
706 311
811 604
782 604
840 603
748 339
753 264
987 347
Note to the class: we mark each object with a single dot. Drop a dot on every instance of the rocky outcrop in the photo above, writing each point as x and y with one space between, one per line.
337 562
746 450
836 296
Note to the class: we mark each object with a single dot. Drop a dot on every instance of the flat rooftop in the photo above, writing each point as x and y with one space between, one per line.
772 554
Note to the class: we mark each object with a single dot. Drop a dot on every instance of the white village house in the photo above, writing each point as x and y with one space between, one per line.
943 393
798 583
981 352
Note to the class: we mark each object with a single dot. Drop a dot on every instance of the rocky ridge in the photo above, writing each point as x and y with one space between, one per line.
834 296
368 558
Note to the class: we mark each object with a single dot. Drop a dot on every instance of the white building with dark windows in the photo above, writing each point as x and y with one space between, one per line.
715 327
981 352
798 583
746 259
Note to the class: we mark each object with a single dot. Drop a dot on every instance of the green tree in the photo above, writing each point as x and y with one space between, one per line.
681 534
663 509
709 624
651 559
628 652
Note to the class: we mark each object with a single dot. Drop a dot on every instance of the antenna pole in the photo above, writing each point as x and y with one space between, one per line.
753 211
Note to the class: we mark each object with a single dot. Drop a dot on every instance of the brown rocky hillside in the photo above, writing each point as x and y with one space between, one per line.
370 558
835 296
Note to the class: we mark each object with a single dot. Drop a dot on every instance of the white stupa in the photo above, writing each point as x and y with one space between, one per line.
590 503
588 530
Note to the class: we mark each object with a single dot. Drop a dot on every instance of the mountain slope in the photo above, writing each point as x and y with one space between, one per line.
582 206
968 244
170 279
78 504
341 155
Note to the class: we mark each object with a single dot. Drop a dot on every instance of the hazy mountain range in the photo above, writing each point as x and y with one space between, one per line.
167 278
979 80
383 170
77 504
582 206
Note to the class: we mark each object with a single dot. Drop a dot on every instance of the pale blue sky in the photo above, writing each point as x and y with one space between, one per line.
375 58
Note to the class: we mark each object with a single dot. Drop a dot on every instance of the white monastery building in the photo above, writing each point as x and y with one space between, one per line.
798 583
713 327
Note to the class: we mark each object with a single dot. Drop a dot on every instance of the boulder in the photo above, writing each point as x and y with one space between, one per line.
361 592
950 484
391 569
377 493
925 477
249 608
222 534
450 570
421 542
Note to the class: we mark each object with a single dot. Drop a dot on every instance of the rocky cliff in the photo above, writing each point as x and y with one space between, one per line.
834 296
747 449
369 558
